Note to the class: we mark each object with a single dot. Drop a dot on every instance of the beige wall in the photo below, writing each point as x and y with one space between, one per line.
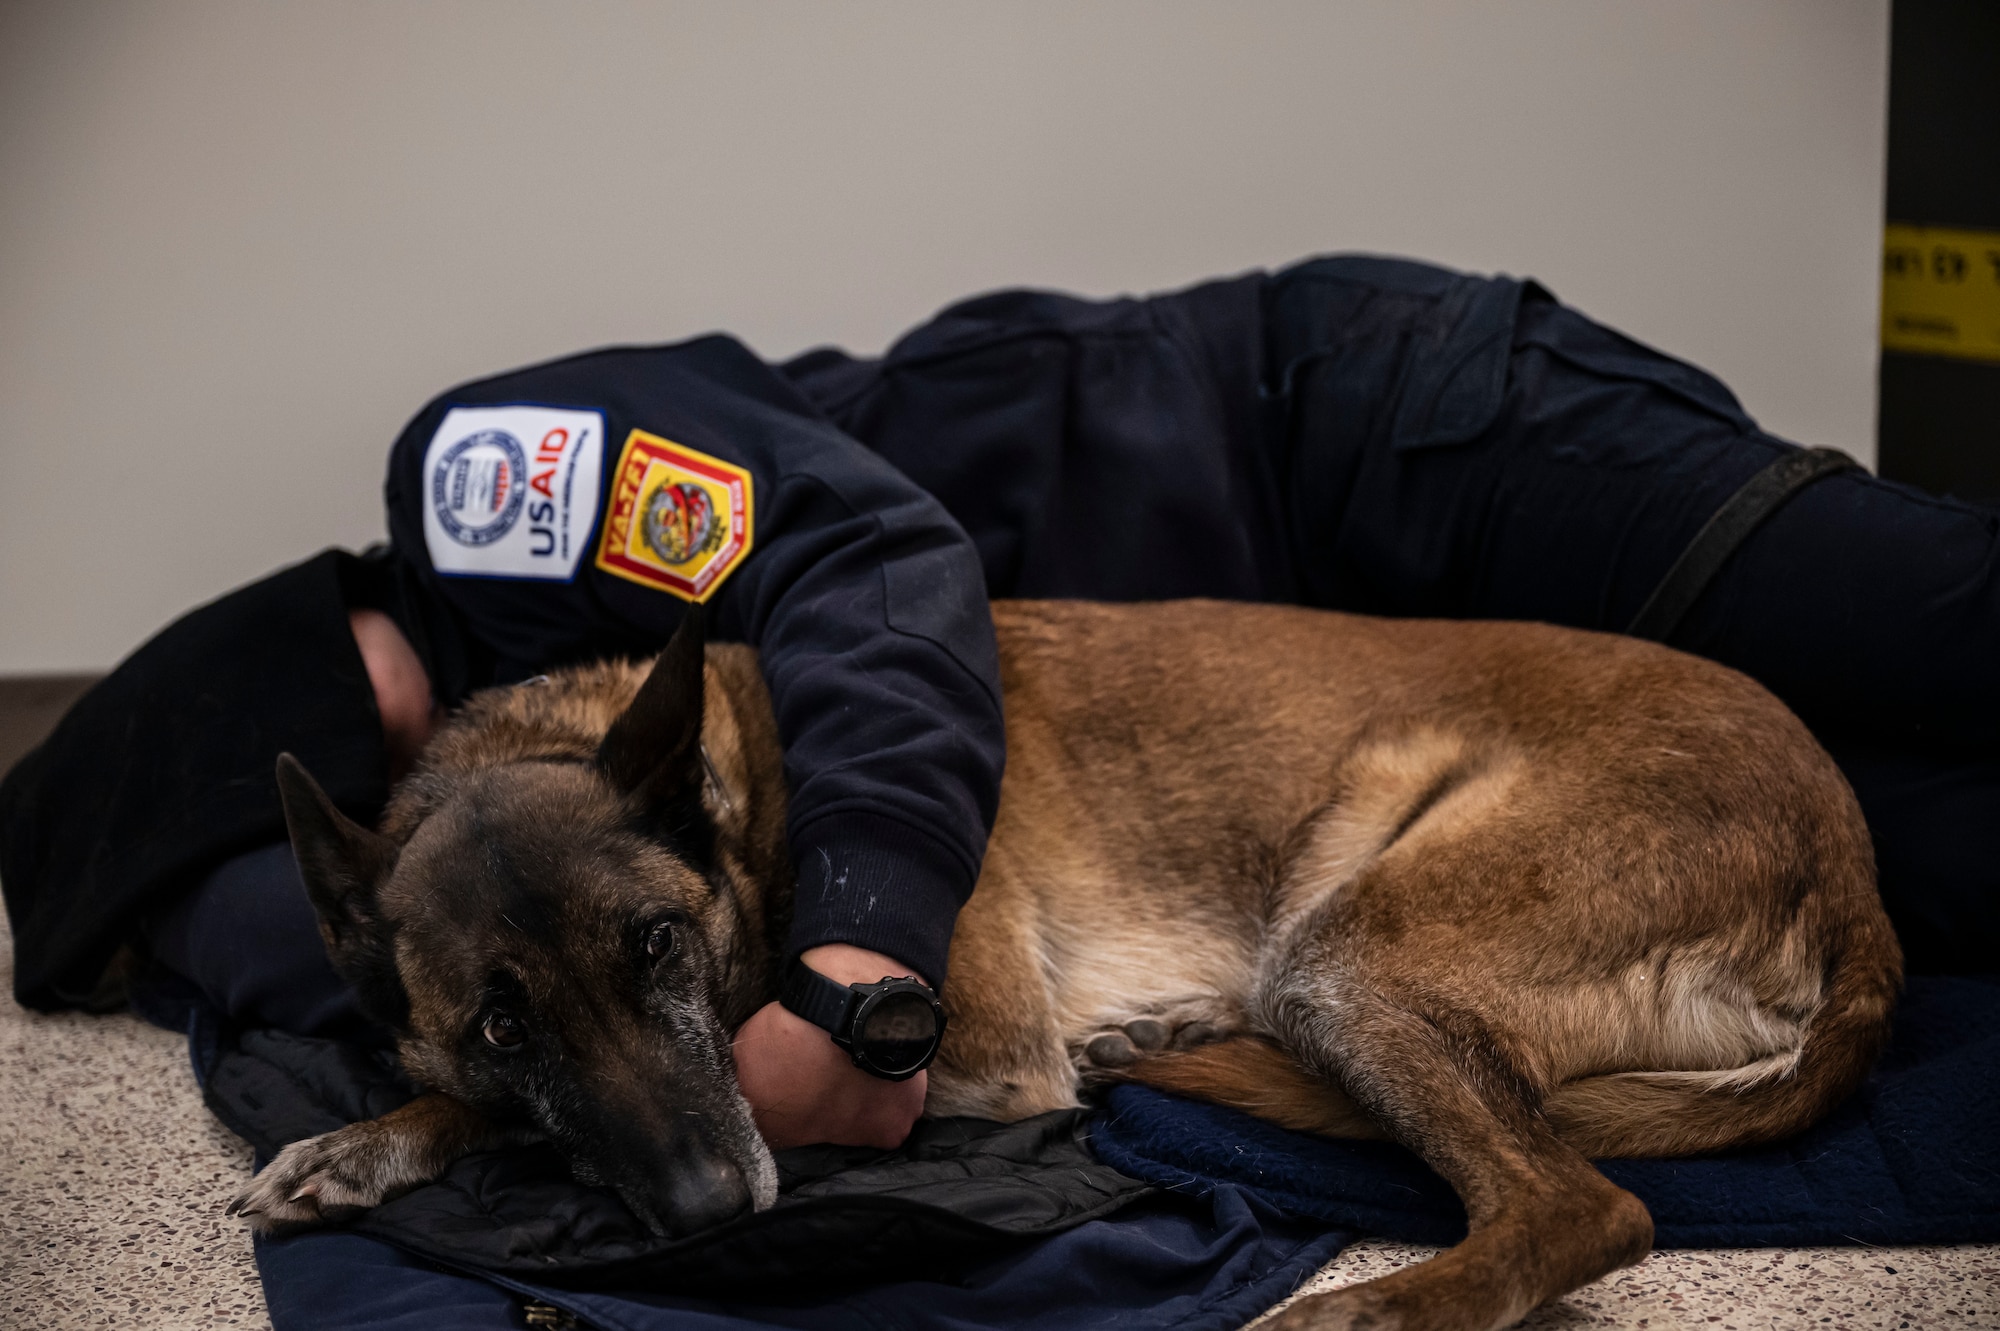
241 242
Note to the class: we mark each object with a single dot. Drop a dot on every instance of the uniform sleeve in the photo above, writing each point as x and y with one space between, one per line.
576 509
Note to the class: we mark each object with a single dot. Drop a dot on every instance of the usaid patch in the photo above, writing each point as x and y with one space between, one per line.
511 492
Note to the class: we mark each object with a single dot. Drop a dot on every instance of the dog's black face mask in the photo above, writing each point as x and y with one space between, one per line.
551 945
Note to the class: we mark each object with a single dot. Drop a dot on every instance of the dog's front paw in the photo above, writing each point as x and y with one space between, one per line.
322 1180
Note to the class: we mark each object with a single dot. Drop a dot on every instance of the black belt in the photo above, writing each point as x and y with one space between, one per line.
1742 513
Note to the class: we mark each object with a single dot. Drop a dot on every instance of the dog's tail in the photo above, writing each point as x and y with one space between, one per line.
1616 1114
1250 1073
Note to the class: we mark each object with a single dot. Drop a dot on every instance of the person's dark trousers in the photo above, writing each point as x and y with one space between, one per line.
247 939
1573 476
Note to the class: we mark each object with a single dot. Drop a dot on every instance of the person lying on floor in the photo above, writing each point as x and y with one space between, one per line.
1355 433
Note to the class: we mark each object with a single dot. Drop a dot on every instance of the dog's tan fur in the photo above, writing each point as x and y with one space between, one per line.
1509 894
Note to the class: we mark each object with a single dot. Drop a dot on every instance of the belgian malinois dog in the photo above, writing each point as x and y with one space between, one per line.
1511 895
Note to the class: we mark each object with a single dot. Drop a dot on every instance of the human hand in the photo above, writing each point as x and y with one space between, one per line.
402 689
804 1088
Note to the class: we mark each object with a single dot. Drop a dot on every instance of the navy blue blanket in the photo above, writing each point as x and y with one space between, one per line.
1913 1158
1212 1267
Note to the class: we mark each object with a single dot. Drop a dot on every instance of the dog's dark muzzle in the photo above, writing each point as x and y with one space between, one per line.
681 1187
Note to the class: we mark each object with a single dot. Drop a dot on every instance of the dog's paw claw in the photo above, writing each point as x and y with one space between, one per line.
269 1212
314 1182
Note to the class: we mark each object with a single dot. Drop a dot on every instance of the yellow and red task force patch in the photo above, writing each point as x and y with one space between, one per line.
678 520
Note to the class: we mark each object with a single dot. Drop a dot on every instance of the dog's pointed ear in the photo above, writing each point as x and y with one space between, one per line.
344 866
653 750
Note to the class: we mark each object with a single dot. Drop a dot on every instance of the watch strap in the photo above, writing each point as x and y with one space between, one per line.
823 1002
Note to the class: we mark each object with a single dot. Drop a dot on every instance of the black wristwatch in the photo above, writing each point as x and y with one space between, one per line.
890 1028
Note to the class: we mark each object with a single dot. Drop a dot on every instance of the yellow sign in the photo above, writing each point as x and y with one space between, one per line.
1941 291
678 520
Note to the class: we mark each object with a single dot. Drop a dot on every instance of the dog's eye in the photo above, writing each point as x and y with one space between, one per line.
504 1031
660 939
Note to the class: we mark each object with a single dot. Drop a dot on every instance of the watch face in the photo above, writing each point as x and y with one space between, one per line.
898 1031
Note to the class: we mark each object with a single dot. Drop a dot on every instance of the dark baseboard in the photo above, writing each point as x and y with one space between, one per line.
30 706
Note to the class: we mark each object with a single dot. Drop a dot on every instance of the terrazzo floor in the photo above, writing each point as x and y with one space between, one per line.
113 1177
1750 1289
